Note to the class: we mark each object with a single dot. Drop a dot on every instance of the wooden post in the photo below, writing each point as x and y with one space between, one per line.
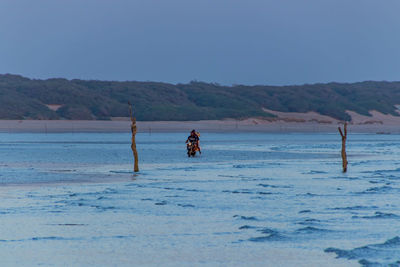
344 137
133 145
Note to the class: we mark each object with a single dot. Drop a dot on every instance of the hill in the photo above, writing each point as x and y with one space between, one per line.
23 98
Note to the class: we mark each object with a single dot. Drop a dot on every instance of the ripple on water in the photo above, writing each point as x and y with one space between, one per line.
247 218
274 186
310 221
275 236
355 208
304 211
239 191
382 171
379 215
312 230
384 254
41 238
379 190
243 227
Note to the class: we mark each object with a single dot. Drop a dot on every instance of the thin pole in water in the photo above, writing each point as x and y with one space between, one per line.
133 145
344 137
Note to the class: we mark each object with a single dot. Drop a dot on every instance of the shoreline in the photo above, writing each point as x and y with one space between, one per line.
229 126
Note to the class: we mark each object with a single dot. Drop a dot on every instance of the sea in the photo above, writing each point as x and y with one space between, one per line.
250 199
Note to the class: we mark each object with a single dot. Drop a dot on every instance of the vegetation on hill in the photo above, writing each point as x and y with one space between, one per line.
23 98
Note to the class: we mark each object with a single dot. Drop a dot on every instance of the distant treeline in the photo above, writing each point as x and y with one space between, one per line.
23 98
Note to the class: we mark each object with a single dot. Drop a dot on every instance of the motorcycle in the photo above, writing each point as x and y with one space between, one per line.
192 148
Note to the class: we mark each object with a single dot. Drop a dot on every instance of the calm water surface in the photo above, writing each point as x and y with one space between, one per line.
71 199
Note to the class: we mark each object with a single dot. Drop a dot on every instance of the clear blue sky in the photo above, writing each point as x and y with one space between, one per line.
225 41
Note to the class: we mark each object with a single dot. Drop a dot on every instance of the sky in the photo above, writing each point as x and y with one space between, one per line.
270 42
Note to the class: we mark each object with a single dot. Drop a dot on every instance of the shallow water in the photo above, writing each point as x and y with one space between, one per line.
249 199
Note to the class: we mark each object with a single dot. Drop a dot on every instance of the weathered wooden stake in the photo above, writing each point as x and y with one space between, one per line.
133 145
344 137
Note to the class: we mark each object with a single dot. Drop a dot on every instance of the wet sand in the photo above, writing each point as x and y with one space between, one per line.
283 124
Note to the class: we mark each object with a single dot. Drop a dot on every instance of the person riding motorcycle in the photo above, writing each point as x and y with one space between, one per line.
194 139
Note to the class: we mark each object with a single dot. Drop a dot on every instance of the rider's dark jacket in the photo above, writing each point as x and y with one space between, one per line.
193 139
